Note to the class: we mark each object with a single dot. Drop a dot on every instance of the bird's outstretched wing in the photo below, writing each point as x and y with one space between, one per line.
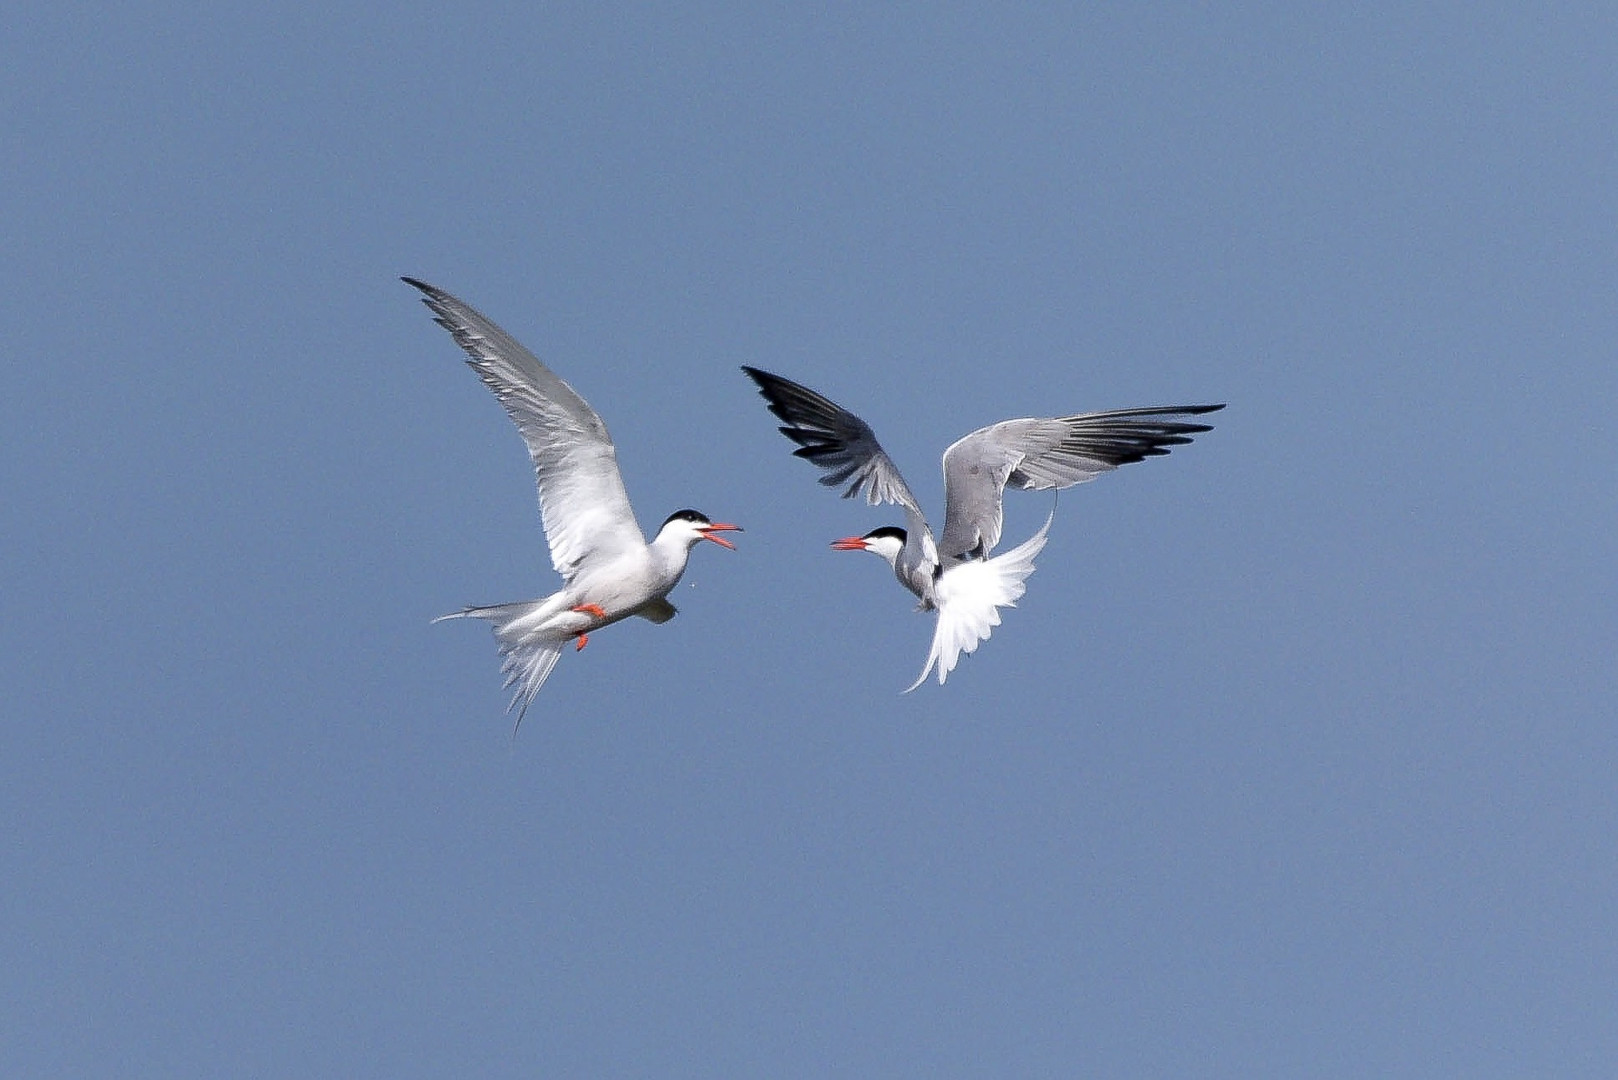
582 502
1037 454
834 439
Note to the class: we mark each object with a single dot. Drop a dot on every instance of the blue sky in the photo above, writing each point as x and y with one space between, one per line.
1297 759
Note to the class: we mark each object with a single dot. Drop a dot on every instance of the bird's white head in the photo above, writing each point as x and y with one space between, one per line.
689 527
887 542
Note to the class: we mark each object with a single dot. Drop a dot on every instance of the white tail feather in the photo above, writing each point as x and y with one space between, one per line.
529 648
968 597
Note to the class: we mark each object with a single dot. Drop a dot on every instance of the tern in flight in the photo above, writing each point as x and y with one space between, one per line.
609 572
955 575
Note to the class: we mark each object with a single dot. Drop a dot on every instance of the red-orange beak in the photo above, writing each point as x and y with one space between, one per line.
712 527
849 543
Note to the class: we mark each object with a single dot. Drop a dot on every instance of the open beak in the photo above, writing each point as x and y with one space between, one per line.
849 543
719 526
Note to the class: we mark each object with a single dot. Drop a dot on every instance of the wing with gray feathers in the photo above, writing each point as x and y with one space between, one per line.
1037 454
834 439
582 501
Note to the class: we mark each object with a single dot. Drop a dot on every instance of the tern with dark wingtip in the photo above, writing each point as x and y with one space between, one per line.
609 571
955 575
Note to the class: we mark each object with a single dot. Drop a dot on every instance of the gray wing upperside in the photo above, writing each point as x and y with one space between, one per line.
583 504
1037 454
832 438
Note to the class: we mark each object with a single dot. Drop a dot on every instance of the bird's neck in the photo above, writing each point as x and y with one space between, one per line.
669 554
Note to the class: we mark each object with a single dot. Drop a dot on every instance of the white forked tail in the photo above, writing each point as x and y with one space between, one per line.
968 597
531 635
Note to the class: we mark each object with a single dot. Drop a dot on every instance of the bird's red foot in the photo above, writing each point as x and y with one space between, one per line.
583 640
591 609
